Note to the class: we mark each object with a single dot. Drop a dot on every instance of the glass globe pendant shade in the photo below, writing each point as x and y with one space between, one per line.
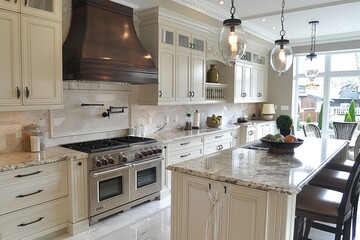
311 66
281 57
232 40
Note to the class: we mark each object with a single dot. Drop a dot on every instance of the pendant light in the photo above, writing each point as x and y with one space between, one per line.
311 65
232 39
281 56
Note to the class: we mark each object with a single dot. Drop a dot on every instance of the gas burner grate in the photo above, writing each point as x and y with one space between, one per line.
96 146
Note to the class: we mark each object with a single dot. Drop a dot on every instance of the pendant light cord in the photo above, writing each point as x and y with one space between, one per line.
313 39
282 32
232 9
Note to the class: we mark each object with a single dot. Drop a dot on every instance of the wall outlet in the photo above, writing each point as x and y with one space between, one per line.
284 107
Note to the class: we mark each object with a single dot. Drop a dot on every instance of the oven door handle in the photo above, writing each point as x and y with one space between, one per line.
109 171
147 162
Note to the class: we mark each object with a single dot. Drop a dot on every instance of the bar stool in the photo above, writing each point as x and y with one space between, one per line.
318 204
311 130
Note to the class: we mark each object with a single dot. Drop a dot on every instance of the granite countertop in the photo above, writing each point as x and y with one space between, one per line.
15 160
262 170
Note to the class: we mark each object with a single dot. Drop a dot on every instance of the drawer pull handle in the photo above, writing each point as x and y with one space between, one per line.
29 174
186 143
25 224
219 136
18 92
27 92
186 155
26 195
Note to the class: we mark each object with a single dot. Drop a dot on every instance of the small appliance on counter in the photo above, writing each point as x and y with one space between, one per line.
188 122
196 123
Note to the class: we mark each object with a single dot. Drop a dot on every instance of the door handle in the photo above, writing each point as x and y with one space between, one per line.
27 92
18 92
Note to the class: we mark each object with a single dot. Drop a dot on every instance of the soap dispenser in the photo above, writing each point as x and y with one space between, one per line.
188 122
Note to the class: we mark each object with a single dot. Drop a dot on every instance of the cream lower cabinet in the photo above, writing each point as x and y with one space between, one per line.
217 142
240 213
78 196
182 150
34 201
264 128
31 62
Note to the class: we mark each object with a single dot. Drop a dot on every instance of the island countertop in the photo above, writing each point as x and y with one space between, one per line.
262 170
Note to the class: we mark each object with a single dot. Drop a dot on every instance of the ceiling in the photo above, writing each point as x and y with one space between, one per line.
338 19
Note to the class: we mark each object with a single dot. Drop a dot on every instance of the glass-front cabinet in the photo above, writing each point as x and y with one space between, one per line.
49 9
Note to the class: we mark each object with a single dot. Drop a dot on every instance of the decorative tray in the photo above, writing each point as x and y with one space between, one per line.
282 147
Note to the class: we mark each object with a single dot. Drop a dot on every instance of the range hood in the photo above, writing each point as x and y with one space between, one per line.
103 46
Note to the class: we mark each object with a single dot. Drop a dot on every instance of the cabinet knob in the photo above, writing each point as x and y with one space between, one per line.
160 93
26 2
259 95
79 163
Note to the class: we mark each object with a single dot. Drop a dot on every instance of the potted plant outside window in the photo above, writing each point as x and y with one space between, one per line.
284 124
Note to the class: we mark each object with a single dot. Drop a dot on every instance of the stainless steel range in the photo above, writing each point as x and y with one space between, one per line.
123 172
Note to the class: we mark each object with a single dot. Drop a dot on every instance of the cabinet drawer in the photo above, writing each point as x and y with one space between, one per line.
29 173
217 146
184 144
187 154
24 223
216 137
28 193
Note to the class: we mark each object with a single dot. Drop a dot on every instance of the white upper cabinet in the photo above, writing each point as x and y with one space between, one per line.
190 67
32 63
49 9
179 50
248 79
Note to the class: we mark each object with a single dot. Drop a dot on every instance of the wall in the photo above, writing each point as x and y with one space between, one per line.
284 84
12 123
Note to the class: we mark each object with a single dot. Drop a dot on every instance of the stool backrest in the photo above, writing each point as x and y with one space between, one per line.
350 187
344 130
311 130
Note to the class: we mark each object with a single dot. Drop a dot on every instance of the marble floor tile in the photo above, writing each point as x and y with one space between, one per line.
150 221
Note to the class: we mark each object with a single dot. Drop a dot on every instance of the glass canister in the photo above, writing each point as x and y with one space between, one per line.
34 138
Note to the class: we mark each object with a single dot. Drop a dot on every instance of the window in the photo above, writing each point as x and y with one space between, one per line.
335 86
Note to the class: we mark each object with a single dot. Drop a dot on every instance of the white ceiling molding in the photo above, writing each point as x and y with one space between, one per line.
127 3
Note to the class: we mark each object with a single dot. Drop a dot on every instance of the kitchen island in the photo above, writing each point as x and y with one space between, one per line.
245 194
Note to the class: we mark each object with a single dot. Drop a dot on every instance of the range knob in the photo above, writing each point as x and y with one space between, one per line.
144 153
110 159
97 162
149 152
139 155
154 151
159 150
104 161
123 158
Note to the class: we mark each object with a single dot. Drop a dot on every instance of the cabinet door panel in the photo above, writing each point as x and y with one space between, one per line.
10 63
13 5
183 77
246 84
238 79
198 77
50 9
167 76
246 211
41 61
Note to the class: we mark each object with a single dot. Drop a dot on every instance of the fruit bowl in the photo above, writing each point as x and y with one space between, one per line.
211 123
282 147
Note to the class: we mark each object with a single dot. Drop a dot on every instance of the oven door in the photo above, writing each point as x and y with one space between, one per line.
109 188
145 178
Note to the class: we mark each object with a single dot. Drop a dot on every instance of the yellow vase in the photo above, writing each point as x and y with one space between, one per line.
212 74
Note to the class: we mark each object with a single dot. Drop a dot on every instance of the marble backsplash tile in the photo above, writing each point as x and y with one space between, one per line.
73 130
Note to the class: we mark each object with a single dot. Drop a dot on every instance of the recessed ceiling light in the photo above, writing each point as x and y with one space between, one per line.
339 31
263 20
221 2
273 28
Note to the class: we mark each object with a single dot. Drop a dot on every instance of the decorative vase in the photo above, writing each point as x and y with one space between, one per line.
212 74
